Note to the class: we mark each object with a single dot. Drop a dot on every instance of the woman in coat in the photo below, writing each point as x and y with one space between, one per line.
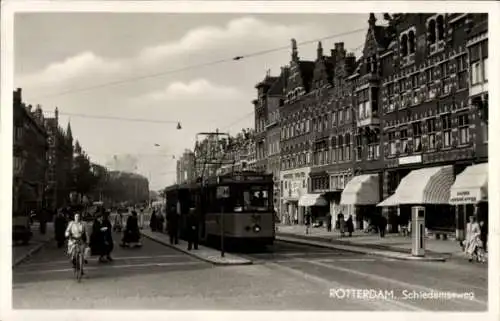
350 225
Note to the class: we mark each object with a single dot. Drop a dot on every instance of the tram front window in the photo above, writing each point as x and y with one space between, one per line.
253 199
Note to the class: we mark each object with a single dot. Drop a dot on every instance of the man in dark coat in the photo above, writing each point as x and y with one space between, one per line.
382 225
173 225
101 238
131 234
60 224
153 223
192 232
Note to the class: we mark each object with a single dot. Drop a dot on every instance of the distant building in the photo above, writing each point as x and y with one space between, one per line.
186 171
60 164
29 157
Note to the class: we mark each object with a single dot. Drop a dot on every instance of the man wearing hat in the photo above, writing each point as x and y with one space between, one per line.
192 225
102 238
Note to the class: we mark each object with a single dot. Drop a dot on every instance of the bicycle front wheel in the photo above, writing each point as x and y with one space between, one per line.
79 267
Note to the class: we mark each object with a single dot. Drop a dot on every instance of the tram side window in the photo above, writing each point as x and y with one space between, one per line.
214 204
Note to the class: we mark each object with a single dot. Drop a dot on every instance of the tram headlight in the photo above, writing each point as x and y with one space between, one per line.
256 228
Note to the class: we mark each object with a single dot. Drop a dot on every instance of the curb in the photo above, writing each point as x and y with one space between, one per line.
30 253
354 249
193 254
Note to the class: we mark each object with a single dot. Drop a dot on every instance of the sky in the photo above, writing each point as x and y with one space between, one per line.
57 54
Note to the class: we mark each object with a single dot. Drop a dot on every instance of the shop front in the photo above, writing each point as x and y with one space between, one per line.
428 187
469 195
360 195
294 185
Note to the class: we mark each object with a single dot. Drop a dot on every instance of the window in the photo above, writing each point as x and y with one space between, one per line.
374 101
484 128
440 27
431 129
340 148
417 137
334 118
359 147
255 199
403 135
347 115
476 76
485 69
341 116
392 143
432 32
308 125
404 45
463 129
347 147
446 125
411 42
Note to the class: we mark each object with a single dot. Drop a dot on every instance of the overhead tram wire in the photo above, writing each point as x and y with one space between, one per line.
156 121
201 65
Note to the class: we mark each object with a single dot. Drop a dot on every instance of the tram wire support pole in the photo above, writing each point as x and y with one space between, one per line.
222 191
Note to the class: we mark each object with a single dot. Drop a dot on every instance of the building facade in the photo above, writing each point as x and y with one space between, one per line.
60 164
29 157
186 171
420 91
295 124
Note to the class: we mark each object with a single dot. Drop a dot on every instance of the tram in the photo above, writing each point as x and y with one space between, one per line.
246 210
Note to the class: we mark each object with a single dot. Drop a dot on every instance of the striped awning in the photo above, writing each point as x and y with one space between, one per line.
423 186
361 190
312 200
471 186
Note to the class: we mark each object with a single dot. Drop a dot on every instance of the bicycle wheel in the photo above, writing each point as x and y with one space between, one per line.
79 266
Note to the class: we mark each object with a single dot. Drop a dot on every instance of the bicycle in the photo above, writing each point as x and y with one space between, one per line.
78 256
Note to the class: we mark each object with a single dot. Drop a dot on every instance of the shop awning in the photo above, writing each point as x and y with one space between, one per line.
312 200
471 186
361 190
423 186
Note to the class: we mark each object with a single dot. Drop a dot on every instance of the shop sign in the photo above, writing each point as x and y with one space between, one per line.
410 160
464 197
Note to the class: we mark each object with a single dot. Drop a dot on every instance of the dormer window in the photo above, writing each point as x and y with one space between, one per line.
440 27
411 42
432 31
404 45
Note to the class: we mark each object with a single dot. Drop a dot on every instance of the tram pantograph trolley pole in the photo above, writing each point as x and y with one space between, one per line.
222 194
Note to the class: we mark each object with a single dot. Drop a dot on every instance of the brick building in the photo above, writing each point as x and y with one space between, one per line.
60 164
414 101
29 157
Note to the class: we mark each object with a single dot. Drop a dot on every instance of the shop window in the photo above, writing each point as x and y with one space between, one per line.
463 128
485 69
446 125
484 129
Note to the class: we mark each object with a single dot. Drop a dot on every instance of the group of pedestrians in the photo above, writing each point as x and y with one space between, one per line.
173 226
342 225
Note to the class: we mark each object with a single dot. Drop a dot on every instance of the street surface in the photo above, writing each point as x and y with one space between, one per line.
285 277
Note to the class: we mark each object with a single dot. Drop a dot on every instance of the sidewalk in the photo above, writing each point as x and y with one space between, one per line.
23 252
393 245
203 253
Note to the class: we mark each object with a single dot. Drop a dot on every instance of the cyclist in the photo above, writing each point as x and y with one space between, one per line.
76 232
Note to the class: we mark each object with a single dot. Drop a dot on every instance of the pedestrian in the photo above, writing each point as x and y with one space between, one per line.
308 221
153 223
60 225
350 225
43 221
101 239
160 220
328 222
76 230
341 221
484 234
173 225
131 234
472 238
382 225
192 233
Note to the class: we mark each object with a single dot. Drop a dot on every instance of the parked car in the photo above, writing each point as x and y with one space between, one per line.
21 229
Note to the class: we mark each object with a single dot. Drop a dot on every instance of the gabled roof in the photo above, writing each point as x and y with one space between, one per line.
381 36
277 88
307 73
